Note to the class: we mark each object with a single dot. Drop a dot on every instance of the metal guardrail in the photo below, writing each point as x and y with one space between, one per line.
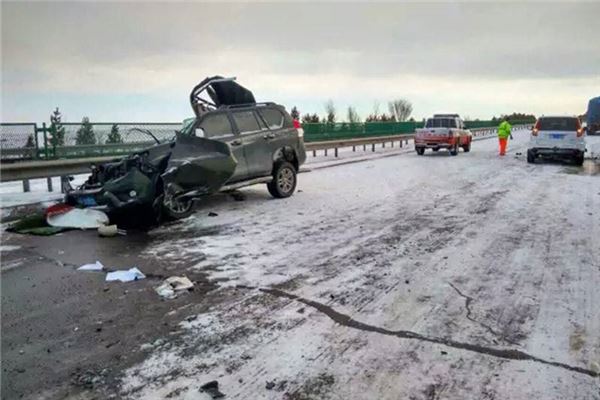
30 141
50 168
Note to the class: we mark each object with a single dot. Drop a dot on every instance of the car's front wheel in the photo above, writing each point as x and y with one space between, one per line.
579 158
420 151
530 157
284 180
177 208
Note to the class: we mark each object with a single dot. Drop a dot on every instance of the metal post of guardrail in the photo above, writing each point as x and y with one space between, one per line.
36 154
336 151
26 187
44 131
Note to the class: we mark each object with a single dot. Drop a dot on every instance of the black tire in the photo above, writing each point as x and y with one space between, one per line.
530 157
176 209
467 147
578 159
454 150
284 180
436 149
420 151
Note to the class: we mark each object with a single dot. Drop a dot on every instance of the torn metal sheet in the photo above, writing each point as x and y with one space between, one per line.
198 165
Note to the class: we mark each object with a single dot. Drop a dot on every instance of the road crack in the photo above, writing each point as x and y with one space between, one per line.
348 321
468 301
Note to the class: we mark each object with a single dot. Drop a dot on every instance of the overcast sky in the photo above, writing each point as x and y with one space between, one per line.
138 61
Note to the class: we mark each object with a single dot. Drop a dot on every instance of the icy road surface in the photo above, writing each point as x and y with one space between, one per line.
398 277
468 277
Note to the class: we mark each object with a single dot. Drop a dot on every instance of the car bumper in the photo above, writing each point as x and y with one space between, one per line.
430 144
556 151
101 200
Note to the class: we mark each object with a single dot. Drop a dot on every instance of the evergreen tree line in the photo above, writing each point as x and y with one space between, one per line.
85 134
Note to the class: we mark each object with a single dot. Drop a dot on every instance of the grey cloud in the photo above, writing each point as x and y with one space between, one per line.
506 40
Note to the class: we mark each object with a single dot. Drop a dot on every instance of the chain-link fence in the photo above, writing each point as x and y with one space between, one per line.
30 141
18 141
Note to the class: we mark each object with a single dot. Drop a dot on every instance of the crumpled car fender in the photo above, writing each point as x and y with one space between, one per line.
198 164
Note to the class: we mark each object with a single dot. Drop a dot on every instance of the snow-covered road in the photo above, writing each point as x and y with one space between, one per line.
403 277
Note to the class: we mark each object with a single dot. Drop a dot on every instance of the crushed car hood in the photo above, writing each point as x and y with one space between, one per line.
188 166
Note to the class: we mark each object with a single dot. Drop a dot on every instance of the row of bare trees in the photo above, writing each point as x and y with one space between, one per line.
399 110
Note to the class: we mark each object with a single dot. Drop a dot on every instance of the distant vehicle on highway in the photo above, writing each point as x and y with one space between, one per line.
557 137
443 131
232 142
593 116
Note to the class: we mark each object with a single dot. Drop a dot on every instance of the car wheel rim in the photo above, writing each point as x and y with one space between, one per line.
177 207
285 180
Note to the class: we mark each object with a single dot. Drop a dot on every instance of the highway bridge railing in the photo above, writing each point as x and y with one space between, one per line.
32 169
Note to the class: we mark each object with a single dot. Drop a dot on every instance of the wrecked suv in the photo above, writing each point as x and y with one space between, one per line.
232 142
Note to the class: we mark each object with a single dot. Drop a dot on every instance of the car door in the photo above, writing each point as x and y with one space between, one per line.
217 126
255 138
282 132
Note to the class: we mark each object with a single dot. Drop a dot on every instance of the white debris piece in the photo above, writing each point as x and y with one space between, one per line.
79 218
132 274
169 288
97 266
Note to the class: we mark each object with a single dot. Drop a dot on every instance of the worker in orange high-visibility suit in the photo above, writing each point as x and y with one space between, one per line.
504 132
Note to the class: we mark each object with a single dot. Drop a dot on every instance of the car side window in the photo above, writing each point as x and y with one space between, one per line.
216 125
273 117
246 121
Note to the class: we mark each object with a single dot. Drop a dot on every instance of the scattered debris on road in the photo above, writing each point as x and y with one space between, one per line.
212 389
110 231
213 214
97 266
132 274
171 286
64 216
35 225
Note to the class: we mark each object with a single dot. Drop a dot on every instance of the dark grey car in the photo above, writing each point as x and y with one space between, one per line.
232 142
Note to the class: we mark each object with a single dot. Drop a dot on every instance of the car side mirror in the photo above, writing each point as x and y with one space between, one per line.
199 132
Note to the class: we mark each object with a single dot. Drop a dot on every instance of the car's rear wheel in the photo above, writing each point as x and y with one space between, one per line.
436 149
421 150
467 147
454 150
284 180
177 208
530 157
578 159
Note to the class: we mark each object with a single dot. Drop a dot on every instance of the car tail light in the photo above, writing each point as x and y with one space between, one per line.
536 128
298 127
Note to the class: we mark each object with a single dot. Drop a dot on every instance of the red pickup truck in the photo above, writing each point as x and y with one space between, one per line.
443 131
